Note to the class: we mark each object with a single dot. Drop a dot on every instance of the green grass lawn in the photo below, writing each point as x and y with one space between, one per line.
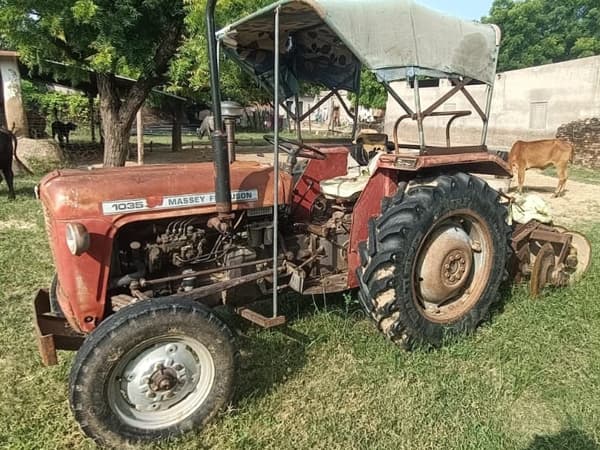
581 174
530 379
244 138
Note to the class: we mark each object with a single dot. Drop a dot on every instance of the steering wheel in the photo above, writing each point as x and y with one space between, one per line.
295 148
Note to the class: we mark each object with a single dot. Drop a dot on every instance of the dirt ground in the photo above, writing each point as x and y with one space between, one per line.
580 203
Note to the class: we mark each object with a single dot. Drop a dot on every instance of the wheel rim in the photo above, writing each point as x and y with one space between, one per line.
161 382
453 266
582 249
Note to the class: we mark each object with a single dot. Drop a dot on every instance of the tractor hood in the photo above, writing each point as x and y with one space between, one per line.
162 189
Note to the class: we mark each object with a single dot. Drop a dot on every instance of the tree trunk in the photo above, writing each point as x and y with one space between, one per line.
118 116
176 136
116 146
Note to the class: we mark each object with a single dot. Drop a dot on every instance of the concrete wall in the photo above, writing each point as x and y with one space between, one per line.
527 104
11 89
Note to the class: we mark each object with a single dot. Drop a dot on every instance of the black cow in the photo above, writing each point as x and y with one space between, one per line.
8 147
62 130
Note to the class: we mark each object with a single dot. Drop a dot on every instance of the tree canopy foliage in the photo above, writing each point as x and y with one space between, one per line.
133 37
545 31
189 73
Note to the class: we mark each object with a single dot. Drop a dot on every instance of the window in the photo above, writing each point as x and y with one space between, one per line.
538 114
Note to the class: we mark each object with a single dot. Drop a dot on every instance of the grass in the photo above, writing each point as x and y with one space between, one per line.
530 379
581 174
83 135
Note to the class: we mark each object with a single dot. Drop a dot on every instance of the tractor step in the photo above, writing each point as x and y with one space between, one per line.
259 319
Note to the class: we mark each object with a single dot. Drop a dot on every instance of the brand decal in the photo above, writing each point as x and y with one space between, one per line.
174 202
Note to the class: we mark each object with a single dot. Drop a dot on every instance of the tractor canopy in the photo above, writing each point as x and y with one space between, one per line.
327 42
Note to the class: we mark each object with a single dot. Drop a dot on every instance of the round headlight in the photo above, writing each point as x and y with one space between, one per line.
78 239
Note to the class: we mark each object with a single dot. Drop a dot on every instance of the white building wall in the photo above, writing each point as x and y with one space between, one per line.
527 104
11 89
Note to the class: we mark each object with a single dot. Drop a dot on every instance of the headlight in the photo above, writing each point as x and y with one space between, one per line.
78 239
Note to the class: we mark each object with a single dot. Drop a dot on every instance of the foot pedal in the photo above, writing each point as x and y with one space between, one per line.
259 319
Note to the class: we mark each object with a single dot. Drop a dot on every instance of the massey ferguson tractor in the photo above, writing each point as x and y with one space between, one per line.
145 254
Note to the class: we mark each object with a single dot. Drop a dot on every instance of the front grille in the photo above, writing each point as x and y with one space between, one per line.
258 212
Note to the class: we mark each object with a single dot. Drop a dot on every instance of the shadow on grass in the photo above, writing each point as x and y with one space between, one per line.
565 440
270 357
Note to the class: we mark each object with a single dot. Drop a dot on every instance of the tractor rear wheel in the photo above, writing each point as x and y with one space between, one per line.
153 370
434 261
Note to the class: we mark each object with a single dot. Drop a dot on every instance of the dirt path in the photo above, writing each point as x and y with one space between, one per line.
580 203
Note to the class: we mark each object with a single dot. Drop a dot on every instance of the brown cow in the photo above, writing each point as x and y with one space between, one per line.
539 155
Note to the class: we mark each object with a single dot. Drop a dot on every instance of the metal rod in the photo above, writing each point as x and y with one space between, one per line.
419 113
221 156
213 60
398 99
297 118
439 102
488 106
473 102
343 103
356 107
276 166
316 106
200 273
457 115
203 291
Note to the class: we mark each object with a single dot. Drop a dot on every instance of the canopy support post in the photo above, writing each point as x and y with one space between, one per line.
276 170
356 106
398 99
419 113
297 118
486 120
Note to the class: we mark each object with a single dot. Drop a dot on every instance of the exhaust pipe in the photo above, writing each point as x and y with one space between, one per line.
219 142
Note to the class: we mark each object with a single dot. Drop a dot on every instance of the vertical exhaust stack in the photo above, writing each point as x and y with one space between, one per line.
221 156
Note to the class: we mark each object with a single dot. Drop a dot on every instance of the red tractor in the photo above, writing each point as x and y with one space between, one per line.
144 254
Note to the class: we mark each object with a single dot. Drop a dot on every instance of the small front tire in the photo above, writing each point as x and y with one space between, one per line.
153 370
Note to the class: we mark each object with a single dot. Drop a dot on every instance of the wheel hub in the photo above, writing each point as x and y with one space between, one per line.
160 377
163 380
445 264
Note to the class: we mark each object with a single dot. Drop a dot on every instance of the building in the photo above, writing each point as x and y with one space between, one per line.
528 104
12 112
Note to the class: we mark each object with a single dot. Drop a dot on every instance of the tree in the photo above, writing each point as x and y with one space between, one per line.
189 74
134 37
372 92
545 31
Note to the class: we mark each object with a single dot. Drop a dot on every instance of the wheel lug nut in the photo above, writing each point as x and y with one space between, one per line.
150 394
177 366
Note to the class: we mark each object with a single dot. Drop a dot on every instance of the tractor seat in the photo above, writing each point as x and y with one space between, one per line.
348 187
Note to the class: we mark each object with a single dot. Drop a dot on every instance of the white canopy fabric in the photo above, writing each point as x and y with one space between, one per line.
396 39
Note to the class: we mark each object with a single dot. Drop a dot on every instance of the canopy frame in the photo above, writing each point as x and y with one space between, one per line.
321 19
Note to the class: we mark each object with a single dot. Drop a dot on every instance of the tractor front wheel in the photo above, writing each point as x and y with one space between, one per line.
153 370
434 261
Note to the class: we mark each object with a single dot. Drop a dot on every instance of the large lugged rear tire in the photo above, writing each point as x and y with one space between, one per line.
153 370
434 261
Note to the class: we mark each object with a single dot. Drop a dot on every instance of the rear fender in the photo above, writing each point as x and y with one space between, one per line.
393 169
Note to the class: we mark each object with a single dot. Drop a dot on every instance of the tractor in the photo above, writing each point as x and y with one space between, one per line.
145 254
